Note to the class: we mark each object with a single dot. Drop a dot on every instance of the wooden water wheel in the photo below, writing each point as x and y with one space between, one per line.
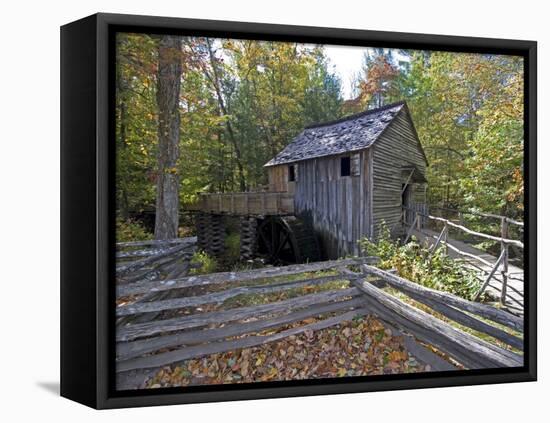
286 240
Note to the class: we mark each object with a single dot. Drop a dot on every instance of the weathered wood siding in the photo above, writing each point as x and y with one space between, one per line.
395 149
278 178
339 206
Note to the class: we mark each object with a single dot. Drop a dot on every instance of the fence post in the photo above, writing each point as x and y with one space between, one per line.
446 238
409 232
504 252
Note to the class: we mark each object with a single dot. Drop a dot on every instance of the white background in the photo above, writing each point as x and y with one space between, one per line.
29 256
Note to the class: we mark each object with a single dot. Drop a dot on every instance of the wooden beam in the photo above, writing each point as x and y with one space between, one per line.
407 183
479 234
217 278
465 348
438 240
126 350
482 310
489 276
139 330
176 356
218 297
409 232
138 264
420 352
469 321
157 243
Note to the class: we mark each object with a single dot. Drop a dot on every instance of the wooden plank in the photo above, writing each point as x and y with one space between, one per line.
458 251
218 297
130 332
491 215
420 352
489 276
154 268
469 321
138 264
133 349
171 357
465 348
217 278
478 234
505 256
482 310
140 253
156 242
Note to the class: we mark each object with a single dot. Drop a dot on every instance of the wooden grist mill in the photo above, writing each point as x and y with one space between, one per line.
334 184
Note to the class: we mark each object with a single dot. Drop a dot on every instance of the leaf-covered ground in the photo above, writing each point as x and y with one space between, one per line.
359 347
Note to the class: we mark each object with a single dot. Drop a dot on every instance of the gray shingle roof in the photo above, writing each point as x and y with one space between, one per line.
352 133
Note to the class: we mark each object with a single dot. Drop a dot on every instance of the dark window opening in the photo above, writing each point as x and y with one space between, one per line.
345 166
291 173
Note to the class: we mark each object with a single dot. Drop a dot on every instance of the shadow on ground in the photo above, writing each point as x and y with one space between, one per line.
51 387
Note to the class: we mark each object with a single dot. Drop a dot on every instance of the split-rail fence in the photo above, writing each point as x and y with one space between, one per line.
160 319
415 220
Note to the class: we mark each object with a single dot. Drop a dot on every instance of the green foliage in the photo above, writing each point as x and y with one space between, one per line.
414 262
130 230
232 247
243 101
468 112
136 123
207 263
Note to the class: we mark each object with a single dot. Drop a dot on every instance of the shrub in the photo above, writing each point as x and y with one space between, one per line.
208 264
415 263
130 230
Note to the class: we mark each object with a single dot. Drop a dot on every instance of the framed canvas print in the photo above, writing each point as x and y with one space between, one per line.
254 211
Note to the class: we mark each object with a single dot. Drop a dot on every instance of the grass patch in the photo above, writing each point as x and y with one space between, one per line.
481 335
257 299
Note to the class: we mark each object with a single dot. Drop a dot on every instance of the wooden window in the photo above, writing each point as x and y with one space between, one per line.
345 166
291 173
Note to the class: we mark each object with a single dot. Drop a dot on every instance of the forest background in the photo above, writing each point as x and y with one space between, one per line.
239 102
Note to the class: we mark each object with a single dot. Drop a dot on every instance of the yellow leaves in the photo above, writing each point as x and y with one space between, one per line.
398 356
376 325
171 170
270 374
330 352
260 360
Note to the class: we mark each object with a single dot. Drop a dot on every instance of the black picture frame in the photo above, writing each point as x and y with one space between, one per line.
87 210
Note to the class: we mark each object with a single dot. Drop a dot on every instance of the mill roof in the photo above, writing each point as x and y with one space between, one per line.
352 133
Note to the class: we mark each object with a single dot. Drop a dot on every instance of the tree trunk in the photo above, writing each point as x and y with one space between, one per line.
223 112
168 94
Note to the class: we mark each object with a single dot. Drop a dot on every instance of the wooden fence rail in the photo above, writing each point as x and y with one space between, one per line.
191 335
182 330
505 244
461 213
153 260
465 348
